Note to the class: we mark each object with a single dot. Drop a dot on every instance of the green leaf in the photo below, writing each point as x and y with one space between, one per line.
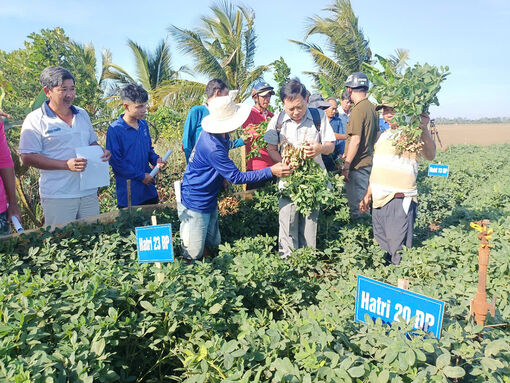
443 360
98 346
402 361
428 347
454 372
491 364
214 309
147 306
356 372
383 377
410 357
495 347
391 355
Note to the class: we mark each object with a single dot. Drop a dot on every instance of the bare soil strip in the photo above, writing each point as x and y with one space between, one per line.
474 134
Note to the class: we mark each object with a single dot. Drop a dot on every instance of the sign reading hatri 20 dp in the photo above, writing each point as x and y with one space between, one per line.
392 304
154 243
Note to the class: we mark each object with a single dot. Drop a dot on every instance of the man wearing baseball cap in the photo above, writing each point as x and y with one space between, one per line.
209 165
361 136
261 94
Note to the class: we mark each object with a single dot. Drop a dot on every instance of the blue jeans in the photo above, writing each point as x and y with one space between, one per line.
197 231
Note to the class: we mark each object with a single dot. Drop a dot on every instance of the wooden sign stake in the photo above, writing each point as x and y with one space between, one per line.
159 276
403 283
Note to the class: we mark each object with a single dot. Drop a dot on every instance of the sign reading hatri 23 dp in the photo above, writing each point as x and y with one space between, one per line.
154 243
392 304
439 170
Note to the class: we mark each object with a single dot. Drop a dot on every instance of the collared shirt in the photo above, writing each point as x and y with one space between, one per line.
343 116
255 118
338 127
193 128
208 167
43 132
299 133
132 151
5 162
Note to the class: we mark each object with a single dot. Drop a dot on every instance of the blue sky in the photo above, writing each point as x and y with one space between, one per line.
469 36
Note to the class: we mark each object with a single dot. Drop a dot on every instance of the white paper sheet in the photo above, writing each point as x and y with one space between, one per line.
96 172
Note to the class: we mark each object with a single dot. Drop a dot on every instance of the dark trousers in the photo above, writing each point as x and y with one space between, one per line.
393 228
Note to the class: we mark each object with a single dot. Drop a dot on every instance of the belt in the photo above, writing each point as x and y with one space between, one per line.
399 195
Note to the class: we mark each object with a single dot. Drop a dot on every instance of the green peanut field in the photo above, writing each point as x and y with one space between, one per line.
76 306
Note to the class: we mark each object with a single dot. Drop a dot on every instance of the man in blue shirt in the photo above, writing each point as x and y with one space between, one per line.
193 123
383 125
339 128
130 143
209 165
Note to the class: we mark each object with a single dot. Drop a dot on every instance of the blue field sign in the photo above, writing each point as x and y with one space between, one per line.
392 304
439 170
154 243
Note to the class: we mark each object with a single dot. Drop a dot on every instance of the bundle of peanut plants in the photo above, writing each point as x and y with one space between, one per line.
410 93
309 186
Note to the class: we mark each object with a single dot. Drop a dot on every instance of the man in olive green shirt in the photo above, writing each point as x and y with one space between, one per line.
362 131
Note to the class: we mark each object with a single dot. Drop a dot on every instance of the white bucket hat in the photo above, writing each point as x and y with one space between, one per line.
225 115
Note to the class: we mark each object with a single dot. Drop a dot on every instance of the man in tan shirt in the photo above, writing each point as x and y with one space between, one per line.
361 136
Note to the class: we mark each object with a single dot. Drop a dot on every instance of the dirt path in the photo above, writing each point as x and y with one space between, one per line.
477 134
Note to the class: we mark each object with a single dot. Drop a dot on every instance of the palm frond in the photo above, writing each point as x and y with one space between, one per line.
179 94
142 64
224 45
191 43
399 59
346 48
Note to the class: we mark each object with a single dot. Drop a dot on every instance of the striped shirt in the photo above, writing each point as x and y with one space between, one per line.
392 173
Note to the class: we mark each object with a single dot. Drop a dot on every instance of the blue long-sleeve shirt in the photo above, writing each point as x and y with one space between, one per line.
193 128
338 127
208 167
132 152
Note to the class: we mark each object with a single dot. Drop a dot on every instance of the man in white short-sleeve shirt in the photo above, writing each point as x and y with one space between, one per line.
295 124
49 138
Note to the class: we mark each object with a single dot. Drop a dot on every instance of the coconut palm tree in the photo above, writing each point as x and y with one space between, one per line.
345 43
153 71
224 46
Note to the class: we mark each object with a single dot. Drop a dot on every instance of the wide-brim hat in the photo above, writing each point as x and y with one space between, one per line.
316 101
225 115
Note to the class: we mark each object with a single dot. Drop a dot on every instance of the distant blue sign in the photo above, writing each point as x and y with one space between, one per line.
154 243
439 170
392 304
